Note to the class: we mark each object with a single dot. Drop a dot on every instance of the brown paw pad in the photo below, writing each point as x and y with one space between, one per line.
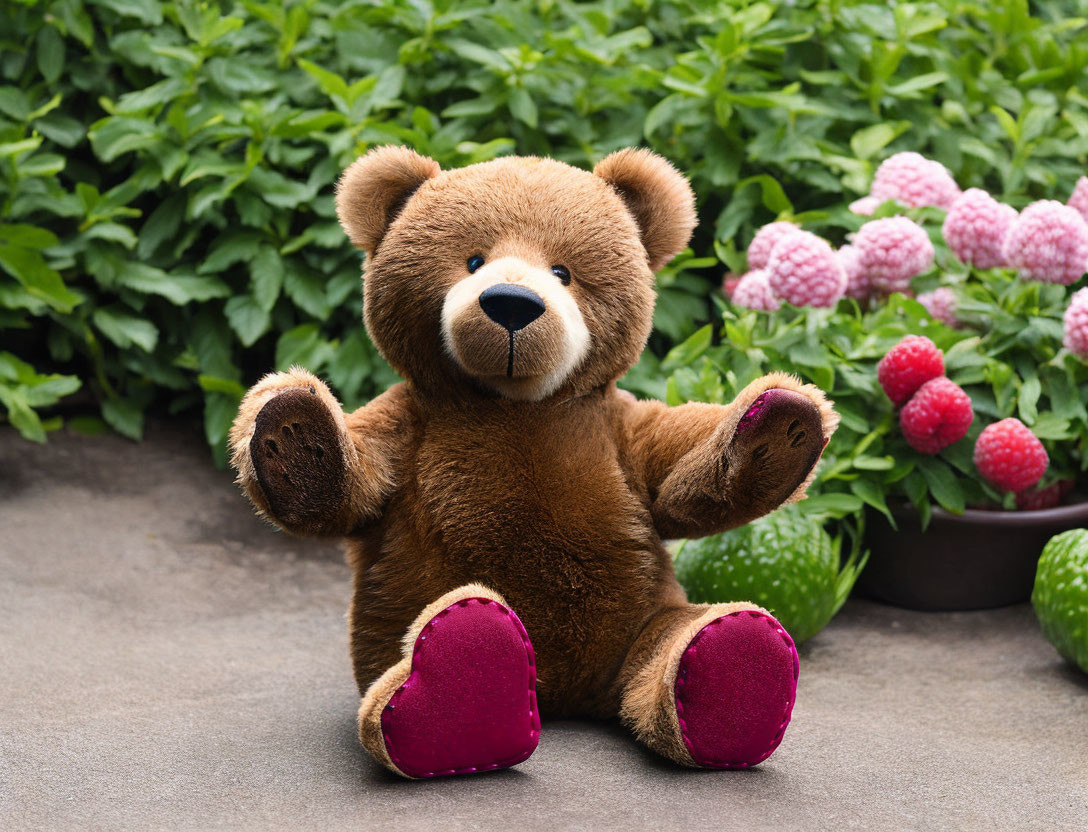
780 438
298 458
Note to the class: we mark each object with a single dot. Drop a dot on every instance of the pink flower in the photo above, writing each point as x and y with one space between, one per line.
759 250
857 281
865 207
941 304
892 251
1076 325
1048 242
915 181
754 292
803 270
1079 198
975 228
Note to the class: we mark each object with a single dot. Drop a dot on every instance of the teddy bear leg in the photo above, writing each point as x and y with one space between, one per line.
463 698
711 686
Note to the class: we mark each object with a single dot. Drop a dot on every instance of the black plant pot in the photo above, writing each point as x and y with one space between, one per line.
972 561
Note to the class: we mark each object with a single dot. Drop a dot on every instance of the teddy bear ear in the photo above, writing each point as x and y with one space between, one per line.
657 195
375 188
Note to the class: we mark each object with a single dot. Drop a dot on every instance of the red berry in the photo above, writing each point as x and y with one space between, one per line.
1010 456
936 416
907 366
1035 499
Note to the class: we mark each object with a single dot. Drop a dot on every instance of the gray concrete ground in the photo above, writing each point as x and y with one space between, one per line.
168 662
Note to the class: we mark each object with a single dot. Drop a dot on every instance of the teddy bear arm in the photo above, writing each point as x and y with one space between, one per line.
382 432
710 468
304 464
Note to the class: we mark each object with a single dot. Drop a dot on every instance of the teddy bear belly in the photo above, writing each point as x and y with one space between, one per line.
583 582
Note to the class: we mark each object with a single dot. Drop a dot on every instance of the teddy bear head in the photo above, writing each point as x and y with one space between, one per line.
520 277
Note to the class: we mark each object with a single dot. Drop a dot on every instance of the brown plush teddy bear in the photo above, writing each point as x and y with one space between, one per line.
505 506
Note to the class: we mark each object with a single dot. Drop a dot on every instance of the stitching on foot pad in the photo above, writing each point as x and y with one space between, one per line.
681 674
390 706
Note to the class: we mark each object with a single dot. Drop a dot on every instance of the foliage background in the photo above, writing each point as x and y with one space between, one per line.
166 221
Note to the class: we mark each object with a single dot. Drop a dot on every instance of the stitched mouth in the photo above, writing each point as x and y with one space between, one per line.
510 356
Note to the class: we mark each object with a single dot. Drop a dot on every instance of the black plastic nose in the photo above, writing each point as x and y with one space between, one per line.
511 306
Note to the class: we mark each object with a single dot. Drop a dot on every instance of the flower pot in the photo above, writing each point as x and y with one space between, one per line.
972 561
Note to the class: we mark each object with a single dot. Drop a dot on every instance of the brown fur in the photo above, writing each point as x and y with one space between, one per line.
558 502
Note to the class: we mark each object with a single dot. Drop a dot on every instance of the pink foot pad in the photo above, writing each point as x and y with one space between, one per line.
469 703
770 400
735 689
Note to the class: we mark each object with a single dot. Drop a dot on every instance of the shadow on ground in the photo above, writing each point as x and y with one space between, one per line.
171 663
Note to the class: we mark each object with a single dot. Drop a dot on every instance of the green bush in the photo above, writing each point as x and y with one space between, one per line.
167 228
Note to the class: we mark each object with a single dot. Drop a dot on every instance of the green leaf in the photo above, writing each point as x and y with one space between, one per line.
1027 401
154 96
233 247
871 494
124 417
30 269
247 319
50 54
942 484
684 354
836 505
14 103
868 141
302 346
330 83
774 198
307 290
60 128
266 277
125 329
114 136
213 384
179 289
146 11
918 83
522 106
161 225
28 236
21 416
112 231
479 54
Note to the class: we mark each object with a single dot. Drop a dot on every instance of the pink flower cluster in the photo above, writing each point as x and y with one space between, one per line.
1076 325
892 251
1047 241
915 181
975 228
792 265
788 264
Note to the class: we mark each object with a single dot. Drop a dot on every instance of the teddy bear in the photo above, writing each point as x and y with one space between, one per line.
505 506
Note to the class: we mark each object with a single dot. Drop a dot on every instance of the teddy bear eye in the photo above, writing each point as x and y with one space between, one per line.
563 273
474 262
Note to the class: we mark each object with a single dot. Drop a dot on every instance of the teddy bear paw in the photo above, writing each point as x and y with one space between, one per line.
735 688
469 702
298 458
777 443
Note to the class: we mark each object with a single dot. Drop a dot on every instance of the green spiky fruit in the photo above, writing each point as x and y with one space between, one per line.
785 562
1060 596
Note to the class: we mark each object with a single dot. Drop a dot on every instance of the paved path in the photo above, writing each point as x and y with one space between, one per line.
167 662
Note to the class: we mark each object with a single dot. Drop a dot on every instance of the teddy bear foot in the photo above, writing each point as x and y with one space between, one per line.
735 688
464 700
